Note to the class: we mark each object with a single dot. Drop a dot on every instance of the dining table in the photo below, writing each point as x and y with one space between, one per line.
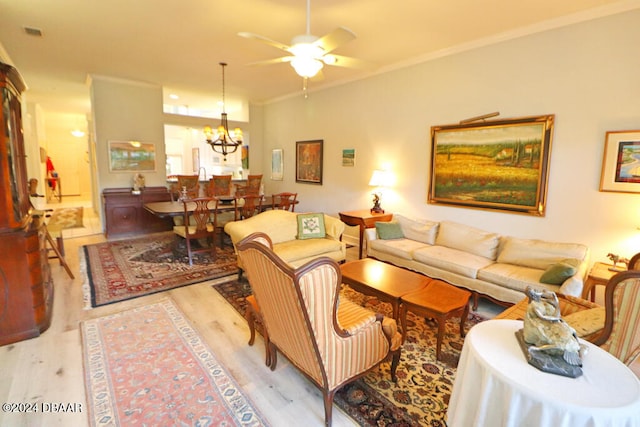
495 386
175 208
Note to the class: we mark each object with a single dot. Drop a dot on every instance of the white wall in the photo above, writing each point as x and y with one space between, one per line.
125 110
586 74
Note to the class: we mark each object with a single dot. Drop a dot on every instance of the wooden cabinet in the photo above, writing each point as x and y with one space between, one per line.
26 287
125 214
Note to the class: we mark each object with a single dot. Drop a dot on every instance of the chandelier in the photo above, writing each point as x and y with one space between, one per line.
223 143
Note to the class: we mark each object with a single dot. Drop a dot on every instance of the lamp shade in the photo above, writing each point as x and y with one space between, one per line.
379 178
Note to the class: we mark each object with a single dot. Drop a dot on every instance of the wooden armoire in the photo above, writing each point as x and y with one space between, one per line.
26 287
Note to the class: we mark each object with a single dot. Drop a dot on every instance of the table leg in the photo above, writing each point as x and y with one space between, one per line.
361 240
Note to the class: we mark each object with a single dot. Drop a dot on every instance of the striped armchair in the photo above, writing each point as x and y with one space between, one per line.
330 340
621 334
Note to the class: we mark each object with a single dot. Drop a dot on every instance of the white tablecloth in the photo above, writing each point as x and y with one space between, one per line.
495 386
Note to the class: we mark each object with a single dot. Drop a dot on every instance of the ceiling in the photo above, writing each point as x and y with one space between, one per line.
179 44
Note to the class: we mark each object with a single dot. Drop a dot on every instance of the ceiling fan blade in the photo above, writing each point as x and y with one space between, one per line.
264 39
272 61
348 62
335 39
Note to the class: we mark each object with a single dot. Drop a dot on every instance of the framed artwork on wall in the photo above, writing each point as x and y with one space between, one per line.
309 161
621 162
276 164
500 165
349 157
127 156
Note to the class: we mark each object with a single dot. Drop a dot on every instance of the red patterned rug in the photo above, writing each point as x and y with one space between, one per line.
420 396
125 269
148 366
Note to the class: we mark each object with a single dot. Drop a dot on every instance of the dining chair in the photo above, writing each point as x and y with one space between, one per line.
285 201
252 205
189 183
252 187
197 224
219 185
224 212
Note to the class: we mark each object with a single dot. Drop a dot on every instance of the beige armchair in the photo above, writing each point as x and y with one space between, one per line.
330 340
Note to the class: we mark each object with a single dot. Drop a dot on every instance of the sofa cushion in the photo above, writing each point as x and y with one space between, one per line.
453 260
420 230
537 253
311 226
557 273
403 248
513 276
389 230
293 250
468 239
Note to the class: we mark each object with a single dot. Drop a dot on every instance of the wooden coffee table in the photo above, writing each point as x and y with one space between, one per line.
384 281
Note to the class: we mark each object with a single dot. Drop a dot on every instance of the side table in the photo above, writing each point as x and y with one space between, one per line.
364 219
598 275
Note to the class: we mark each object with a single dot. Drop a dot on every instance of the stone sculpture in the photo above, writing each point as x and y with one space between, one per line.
552 345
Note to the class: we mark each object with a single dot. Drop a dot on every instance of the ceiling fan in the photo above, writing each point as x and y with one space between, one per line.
309 53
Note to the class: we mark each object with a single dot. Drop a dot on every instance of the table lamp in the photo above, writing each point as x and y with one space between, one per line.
379 179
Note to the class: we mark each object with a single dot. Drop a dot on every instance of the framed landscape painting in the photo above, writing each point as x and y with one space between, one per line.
621 162
128 156
500 165
309 161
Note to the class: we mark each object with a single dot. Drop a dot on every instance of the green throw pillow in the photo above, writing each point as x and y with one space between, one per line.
311 226
389 230
556 274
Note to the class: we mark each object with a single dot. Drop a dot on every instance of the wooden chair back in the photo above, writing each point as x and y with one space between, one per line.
197 225
284 201
252 205
190 183
252 188
219 185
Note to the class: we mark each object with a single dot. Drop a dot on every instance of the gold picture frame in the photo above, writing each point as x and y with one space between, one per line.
498 165
621 162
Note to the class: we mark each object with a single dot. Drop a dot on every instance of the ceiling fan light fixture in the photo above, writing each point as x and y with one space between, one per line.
306 67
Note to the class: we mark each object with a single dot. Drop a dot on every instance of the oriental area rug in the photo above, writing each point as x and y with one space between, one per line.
421 395
148 366
124 269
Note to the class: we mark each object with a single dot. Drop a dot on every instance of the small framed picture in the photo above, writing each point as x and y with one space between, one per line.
621 162
276 164
349 157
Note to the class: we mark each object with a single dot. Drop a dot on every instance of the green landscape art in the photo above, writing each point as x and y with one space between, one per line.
497 166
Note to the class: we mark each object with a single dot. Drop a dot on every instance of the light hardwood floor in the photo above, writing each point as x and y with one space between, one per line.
49 368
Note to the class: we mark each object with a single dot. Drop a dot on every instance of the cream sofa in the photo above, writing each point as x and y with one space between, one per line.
282 227
488 264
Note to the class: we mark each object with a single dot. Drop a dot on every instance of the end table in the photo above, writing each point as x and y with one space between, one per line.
364 219
598 275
